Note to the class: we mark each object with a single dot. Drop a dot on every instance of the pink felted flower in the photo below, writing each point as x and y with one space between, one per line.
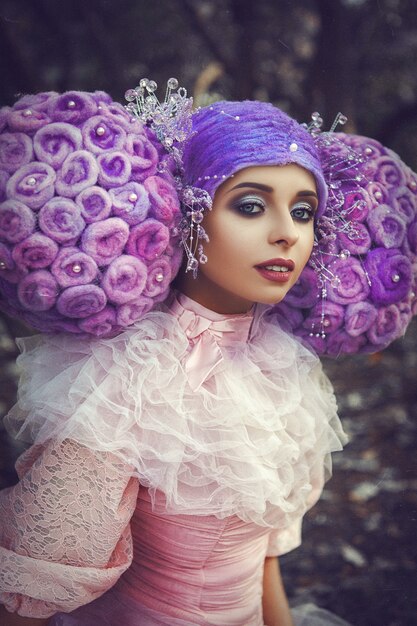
38 291
390 273
78 172
95 204
148 240
144 156
387 326
55 142
32 184
105 241
356 205
60 219
124 279
130 202
72 107
17 221
164 199
102 133
351 284
118 112
387 227
133 311
358 242
359 317
99 324
27 120
72 267
326 315
158 278
114 169
35 252
16 149
81 301
388 172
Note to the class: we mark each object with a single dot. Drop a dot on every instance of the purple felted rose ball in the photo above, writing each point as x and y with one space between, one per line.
87 240
365 259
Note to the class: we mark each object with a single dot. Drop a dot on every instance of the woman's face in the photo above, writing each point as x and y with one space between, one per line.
261 231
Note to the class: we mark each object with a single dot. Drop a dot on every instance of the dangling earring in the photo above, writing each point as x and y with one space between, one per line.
194 202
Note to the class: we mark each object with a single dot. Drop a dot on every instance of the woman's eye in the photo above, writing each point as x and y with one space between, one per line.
303 212
250 206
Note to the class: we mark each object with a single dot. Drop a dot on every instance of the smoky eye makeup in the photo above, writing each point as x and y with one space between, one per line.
248 205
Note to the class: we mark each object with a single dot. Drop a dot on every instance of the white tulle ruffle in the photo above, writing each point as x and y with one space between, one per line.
253 440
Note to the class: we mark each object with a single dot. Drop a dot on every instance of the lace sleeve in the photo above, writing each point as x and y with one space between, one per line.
64 529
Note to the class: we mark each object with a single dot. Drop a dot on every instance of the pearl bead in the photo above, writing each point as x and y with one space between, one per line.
293 147
100 131
326 322
133 197
237 118
76 268
31 181
71 104
378 195
368 150
413 184
159 277
395 278
27 113
2 265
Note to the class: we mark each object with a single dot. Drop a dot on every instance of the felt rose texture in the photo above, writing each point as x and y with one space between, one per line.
358 290
88 208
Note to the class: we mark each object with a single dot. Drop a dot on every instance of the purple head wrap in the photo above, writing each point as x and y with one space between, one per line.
229 136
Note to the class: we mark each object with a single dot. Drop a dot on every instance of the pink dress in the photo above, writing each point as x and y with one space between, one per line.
167 463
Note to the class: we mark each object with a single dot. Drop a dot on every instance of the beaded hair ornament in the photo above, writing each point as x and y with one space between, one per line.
171 121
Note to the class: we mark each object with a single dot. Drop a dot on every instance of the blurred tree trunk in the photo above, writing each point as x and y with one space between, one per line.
244 17
331 82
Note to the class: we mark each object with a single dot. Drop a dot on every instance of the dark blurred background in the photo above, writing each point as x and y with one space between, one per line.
359 556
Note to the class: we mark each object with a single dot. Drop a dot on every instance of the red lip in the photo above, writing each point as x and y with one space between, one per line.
276 277
283 262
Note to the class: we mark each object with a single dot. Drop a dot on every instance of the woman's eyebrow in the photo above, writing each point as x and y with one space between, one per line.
254 186
268 189
307 192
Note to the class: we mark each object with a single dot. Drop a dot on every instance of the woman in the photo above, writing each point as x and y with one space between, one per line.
173 461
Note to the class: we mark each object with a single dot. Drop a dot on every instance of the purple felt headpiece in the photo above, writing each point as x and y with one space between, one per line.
229 136
87 220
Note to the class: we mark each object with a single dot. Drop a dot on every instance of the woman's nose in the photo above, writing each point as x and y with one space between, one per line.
284 230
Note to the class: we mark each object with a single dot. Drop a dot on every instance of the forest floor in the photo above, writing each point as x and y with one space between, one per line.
359 552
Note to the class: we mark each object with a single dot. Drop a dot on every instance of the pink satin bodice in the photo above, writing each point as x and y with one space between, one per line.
202 570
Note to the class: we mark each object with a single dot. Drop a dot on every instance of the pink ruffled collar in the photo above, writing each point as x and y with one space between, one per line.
208 333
